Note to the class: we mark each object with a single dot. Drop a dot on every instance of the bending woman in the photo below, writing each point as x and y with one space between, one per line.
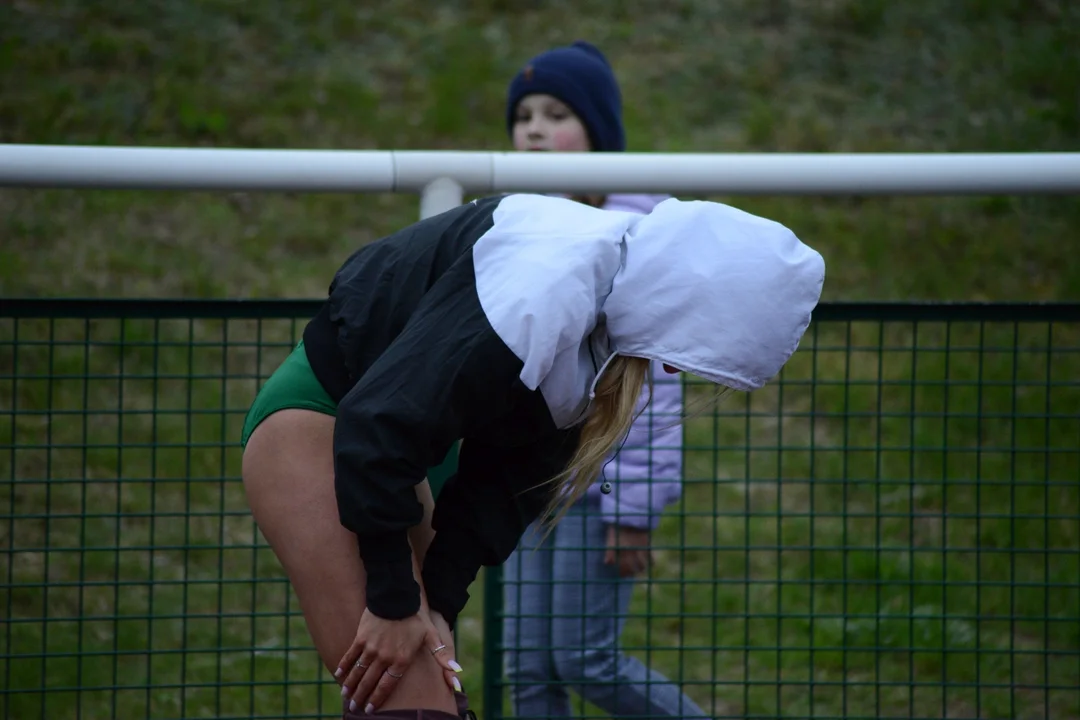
522 326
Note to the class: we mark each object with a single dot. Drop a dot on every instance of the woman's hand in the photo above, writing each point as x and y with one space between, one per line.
629 547
381 654
443 628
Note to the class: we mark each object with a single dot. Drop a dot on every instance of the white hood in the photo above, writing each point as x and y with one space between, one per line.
713 291
701 286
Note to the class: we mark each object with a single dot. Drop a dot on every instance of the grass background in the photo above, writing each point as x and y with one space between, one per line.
943 579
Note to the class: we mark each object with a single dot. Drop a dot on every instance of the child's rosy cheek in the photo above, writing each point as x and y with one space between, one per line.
567 141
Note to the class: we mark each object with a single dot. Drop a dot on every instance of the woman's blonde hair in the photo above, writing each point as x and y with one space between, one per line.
612 413
617 395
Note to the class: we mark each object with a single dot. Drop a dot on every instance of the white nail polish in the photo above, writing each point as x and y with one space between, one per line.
457 684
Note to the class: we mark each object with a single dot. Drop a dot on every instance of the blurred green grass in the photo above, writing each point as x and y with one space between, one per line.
165 557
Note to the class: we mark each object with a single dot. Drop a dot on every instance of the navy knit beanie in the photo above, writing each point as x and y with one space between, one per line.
580 76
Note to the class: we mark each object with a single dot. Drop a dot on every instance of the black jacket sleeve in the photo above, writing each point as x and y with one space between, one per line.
444 377
485 509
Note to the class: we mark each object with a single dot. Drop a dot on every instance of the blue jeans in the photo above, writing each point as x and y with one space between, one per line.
565 610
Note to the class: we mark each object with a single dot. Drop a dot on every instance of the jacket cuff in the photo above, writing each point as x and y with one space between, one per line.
639 521
392 591
625 514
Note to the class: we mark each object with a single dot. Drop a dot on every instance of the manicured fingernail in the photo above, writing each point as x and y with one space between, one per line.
454 666
352 706
457 684
369 709
338 672
344 690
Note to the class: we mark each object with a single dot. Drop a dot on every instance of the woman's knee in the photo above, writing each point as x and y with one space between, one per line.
423 685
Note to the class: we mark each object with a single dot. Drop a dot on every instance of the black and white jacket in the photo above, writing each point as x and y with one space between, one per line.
490 323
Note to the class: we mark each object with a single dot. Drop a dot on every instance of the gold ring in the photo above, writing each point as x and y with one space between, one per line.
438 649
393 674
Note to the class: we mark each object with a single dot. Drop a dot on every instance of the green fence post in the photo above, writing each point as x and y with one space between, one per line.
492 679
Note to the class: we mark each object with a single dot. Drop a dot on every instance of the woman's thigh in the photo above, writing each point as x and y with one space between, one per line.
288 476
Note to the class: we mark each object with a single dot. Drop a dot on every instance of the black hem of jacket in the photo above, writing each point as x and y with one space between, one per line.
324 355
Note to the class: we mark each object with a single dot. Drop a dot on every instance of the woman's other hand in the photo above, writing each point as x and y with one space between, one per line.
451 669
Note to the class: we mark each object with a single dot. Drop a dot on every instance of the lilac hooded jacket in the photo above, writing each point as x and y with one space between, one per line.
646 474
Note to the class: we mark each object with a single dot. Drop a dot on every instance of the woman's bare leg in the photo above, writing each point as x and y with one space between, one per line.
288 475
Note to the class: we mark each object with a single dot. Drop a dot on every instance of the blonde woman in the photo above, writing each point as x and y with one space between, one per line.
523 326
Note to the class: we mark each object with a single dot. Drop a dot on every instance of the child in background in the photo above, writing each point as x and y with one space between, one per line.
567 596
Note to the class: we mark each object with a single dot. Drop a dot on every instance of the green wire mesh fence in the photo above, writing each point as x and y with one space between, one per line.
891 529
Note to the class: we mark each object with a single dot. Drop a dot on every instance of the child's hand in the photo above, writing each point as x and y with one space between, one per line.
629 547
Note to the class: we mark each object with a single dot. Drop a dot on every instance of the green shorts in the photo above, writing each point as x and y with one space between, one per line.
294 385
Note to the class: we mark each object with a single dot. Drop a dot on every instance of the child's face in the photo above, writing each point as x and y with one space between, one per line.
542 122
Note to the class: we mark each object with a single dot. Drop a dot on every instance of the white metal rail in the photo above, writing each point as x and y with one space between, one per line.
442 177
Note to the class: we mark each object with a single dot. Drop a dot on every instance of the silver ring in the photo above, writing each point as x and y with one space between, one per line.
359 665
438 649
393 674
